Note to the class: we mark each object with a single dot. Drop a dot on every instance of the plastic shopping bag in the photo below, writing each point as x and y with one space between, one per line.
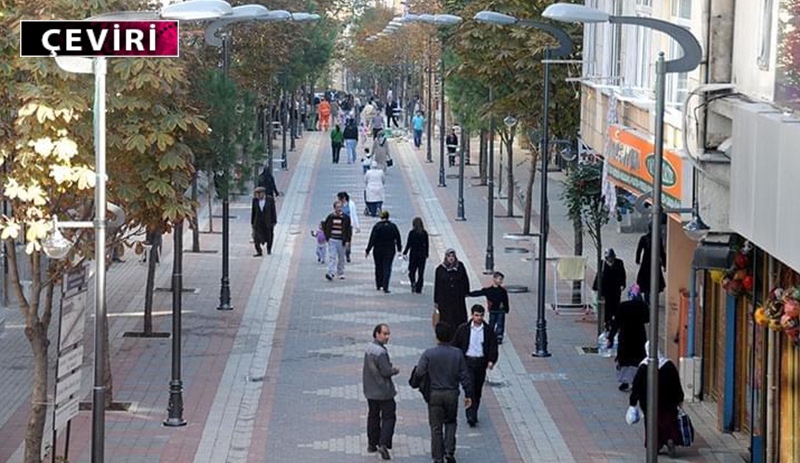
633 415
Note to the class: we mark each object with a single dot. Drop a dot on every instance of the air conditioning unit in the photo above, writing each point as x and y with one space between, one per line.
690 370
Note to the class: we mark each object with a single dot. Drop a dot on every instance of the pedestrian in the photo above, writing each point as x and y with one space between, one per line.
643 258
450 287
446 368
350 209
324 111
380 391
377 124
612 281
368 114
263 218
418 124
374 190
380 150
338 233
417 252
497 303
629 325
350 140
322 244
337 140
266 180
477 341
452 146
366 160
391 110
670 399
384 238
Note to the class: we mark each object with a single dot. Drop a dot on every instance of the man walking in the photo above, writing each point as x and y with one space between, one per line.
338 233
384 238
263 217
418 123
478 343
351 139
446 369
380 391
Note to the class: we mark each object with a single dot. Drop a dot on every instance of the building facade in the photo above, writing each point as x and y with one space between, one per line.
731 158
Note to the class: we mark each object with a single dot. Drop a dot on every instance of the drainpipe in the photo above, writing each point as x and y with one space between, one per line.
771 382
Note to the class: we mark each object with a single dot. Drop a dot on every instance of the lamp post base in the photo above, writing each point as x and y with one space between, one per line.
175 407
225 296
541 354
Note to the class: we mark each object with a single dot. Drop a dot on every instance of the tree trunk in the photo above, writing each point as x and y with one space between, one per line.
37 336
193 218
577 229
526 223
465 140
210 197
150 285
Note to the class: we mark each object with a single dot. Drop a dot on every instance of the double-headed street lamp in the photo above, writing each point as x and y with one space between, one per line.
441 20
188 11
564 48
692 56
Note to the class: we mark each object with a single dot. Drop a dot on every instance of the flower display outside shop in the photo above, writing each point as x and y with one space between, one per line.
781 312
738 279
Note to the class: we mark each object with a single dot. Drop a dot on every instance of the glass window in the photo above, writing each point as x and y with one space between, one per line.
682 9
677 83
765 38
642 69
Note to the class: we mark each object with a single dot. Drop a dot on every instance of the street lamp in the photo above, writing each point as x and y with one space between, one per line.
564 48
243 13
489 263
188 11
692 55
441 20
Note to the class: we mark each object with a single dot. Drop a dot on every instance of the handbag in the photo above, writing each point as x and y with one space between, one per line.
435 317
686 428
389 162
423 383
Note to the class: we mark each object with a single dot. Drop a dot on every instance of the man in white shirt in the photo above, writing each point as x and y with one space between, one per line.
478 342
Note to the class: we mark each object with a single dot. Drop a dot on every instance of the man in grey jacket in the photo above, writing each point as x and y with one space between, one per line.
380 391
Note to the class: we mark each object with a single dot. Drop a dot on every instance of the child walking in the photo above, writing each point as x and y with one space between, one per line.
497 303
322 245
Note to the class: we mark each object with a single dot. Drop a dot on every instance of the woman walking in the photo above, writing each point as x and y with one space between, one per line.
629 322
380 150
383 239
373 189
417 251
337 140
450 287
670 398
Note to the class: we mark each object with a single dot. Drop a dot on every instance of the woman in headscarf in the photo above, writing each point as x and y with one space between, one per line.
644 258
450 288
417 244
373 189
380 150
629 322
670 398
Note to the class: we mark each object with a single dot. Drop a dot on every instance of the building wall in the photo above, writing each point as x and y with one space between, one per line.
680 250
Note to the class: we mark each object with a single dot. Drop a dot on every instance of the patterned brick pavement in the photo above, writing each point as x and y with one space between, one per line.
278 379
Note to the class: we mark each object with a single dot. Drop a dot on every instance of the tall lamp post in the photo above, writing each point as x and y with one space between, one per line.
489 263
243 13
564 48
188 11
692 55
441 20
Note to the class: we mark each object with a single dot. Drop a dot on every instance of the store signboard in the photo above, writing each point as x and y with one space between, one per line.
631 162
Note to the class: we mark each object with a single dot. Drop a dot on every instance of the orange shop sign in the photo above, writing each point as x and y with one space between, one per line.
631 163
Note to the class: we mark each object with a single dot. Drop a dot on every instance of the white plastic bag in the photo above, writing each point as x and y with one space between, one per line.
632 416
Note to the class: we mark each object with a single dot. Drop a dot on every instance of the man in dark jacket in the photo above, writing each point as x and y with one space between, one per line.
380 391
446 369
497 303
350 140
384 238
612 282
478 343
263 217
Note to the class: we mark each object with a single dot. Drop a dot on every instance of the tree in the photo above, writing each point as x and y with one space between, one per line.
583 195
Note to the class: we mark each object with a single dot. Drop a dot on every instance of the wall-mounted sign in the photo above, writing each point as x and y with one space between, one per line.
631 162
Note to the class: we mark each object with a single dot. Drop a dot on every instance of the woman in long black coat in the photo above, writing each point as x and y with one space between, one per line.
643 258
631 317
450 288
670 397
263 217
417 250
610 287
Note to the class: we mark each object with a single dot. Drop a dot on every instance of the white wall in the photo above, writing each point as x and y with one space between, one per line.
747 76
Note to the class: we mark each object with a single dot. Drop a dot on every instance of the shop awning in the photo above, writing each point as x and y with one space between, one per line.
710 256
